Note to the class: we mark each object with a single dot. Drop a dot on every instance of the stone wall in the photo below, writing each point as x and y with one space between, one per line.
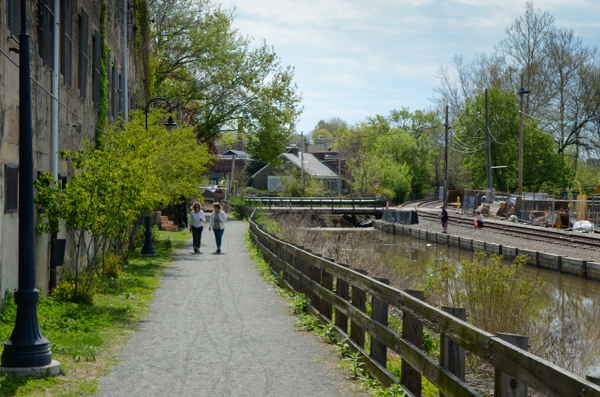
72 131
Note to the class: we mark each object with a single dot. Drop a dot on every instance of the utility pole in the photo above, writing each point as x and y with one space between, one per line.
446 162
339 166
489 147
521 93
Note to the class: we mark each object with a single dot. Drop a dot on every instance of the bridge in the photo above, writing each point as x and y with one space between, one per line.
321 205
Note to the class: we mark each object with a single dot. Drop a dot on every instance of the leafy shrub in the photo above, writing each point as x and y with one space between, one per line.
168 244
112 266
68 291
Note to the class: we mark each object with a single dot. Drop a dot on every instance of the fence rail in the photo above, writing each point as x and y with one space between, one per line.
303 271
317 201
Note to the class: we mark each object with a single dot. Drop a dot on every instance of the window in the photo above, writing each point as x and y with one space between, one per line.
45 23
14 18
11 188
67 41
83 53
97 50
62 181
108 85
121 93
274 183
115 85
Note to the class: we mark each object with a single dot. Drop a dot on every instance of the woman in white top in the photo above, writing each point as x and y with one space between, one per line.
196 226
217 223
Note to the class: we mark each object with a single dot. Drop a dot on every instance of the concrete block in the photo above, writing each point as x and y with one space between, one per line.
466 244
531 256
442 238
509 253
454 241
46 371
593 270
414 233
573 266
492 249
432 237
478 245
549 261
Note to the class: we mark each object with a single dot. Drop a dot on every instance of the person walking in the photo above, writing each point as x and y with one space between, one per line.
217 223
196 226
444 217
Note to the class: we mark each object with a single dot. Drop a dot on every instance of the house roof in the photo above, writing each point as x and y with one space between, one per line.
238 153
312 165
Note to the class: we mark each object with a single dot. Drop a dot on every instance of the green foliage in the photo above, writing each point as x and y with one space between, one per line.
355 365
112 265
168 244
217 75
298 303
394 178
295 186
542 166
135 172
497 297
103 105
69 290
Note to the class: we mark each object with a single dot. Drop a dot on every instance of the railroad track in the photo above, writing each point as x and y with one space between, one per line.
527 232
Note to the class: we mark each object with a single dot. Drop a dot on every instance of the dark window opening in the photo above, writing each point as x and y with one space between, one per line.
11 188
97 52
14 18
83 53
62 181
67 41
45 23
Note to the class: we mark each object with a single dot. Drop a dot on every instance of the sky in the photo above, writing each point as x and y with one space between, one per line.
355 59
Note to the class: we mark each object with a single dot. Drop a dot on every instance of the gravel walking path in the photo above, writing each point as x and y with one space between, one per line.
218 329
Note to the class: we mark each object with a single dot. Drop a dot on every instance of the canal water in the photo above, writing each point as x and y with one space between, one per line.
567 331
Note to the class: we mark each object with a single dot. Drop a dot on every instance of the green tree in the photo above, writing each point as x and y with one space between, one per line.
542 167
217 76
136 171
394 177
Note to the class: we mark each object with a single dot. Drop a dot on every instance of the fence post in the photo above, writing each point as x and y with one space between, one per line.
327 283
412 331
379 314
315 275
505 385
359 301
452 356
342 289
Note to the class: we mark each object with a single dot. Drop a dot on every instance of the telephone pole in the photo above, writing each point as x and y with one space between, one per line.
447 126
521 92
489 147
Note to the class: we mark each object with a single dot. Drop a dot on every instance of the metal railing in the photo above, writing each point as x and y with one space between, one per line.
316 201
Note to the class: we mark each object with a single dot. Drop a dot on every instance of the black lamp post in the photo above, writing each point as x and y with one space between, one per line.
148 248
26 346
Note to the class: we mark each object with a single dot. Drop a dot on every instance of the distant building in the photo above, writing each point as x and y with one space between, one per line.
268 178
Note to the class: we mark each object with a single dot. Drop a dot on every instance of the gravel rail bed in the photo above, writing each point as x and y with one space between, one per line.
491 236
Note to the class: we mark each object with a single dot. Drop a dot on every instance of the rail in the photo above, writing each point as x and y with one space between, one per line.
301 270
317 201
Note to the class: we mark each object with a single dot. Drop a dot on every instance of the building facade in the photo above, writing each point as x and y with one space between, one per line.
79 56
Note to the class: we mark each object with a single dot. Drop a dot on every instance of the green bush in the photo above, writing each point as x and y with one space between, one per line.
68 291
112 266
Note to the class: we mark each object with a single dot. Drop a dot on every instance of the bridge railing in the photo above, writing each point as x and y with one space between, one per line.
316 201
344 308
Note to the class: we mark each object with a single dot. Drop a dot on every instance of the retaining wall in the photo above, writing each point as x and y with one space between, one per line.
541 260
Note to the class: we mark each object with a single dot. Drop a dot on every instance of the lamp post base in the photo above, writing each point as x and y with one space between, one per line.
46 371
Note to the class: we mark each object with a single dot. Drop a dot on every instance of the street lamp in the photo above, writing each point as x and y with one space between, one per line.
148 248
27 352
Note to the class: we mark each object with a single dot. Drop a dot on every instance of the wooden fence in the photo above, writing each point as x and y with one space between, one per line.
344 307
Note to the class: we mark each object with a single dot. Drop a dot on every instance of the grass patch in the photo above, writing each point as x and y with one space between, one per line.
87 338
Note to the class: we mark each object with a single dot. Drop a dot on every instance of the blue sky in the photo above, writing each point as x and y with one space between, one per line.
355 59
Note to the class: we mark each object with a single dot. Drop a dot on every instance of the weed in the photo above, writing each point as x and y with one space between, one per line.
327 333
168 244
343 348
356 366
298 303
